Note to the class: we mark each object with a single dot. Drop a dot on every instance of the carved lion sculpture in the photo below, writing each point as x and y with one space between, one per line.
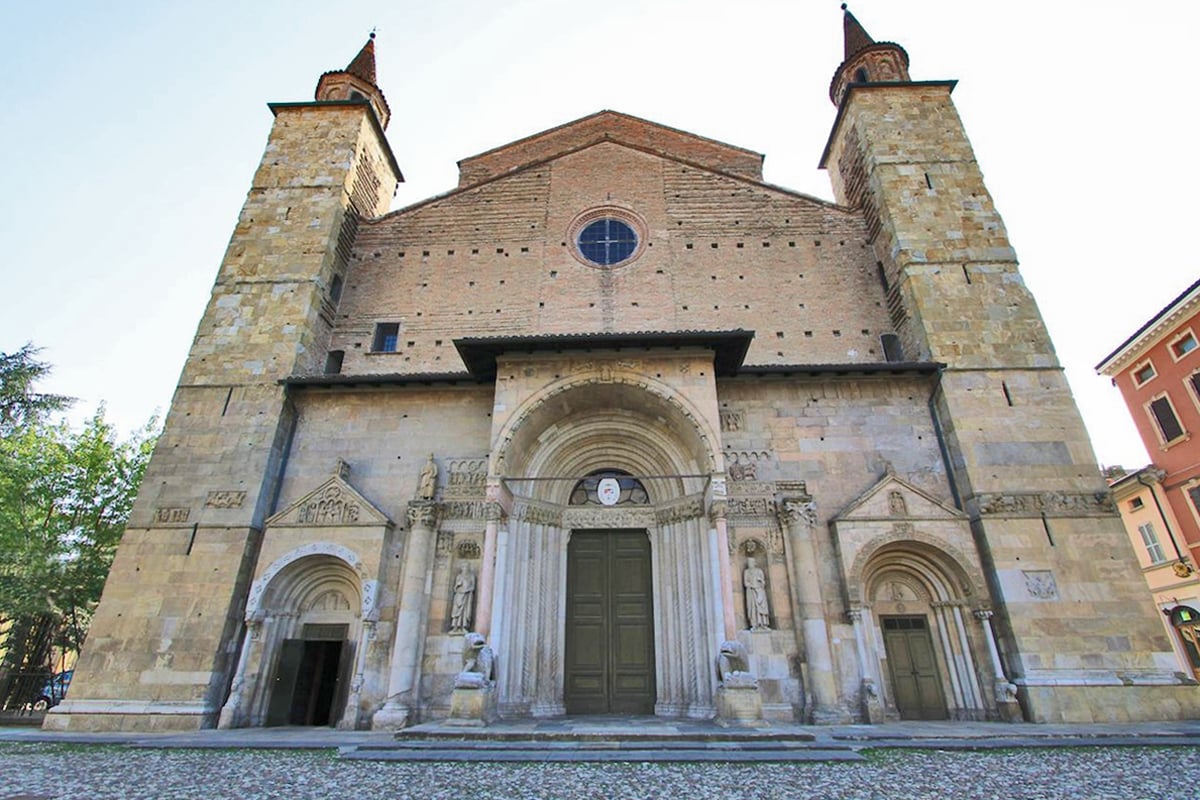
733 666
478 663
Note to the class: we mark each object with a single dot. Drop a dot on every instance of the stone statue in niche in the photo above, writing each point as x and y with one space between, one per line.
733 666
463 603
478 669
897 505
428 480
758 612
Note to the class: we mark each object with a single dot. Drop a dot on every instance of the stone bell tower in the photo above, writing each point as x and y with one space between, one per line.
1078 635
164 638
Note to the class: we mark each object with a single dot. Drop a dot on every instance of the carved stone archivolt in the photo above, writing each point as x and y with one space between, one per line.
1035 504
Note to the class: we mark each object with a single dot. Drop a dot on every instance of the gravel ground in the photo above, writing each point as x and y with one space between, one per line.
43 771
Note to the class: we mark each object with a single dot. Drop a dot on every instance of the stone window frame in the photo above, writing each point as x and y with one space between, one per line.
625 215
1183 434
1183 336
1133 373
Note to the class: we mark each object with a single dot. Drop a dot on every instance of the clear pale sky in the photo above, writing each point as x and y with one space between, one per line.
131 130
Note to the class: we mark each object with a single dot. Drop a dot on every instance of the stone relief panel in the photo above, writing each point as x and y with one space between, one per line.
444 546
744 465
331 507
464 509
225 499
469 550
733 421
1040 584
588 517
688 508
1034 504
466 478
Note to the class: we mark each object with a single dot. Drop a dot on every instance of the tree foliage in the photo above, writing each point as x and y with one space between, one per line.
65 495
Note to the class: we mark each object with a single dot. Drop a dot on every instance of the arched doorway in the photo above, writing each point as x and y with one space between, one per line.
636 582
919 599
311 619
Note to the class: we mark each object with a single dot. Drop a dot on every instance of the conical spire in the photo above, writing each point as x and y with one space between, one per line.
356 83
856 35
363 65
866 61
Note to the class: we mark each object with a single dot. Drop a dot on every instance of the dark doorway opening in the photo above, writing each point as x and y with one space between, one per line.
308 686
610 624
913 667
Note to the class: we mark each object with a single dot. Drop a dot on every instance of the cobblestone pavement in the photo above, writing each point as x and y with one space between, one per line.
44 771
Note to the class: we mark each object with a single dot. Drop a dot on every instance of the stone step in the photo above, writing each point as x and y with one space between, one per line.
599 751
575 734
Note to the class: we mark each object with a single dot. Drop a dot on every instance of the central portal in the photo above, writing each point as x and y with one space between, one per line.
610 624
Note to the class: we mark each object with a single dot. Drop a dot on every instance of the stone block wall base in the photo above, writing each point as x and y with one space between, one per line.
472 708
393 717
740 706
149 723
1010 712
1048 704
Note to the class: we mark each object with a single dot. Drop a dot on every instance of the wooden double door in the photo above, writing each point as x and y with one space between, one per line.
913 667
610 624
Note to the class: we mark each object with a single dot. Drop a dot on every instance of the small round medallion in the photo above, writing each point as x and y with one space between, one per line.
608 491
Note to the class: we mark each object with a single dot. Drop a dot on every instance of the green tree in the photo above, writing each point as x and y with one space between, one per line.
65 495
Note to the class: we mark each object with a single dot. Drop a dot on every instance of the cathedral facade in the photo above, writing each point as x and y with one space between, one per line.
614 426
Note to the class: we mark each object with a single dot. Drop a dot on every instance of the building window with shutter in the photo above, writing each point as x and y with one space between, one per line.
1168 426
1150 540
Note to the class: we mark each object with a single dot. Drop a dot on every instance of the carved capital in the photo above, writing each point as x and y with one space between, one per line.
493 511
718 510
983 614
800 510
854 615
422 514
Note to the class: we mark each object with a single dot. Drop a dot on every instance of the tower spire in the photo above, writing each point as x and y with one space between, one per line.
856 35
866 61
356 83
363 65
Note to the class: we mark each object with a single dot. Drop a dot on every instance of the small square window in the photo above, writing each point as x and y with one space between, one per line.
1136 503
1143 373
387 335
1183 345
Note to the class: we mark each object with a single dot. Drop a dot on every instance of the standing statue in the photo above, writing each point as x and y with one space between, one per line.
758 613
464 599
428 481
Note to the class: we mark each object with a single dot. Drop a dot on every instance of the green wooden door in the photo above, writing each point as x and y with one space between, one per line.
913 668
610 624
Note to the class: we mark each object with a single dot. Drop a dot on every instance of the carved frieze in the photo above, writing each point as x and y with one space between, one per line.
750 507
468 549
1034 504
688 508
464 509
598 517
225 499
539 514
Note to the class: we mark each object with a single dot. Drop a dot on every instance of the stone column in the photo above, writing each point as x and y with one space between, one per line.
233 713
717 513
799 515
1005 690
872 709
487 571
413 609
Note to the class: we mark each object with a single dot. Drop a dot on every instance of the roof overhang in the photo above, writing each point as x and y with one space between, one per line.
729 347
1145 336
